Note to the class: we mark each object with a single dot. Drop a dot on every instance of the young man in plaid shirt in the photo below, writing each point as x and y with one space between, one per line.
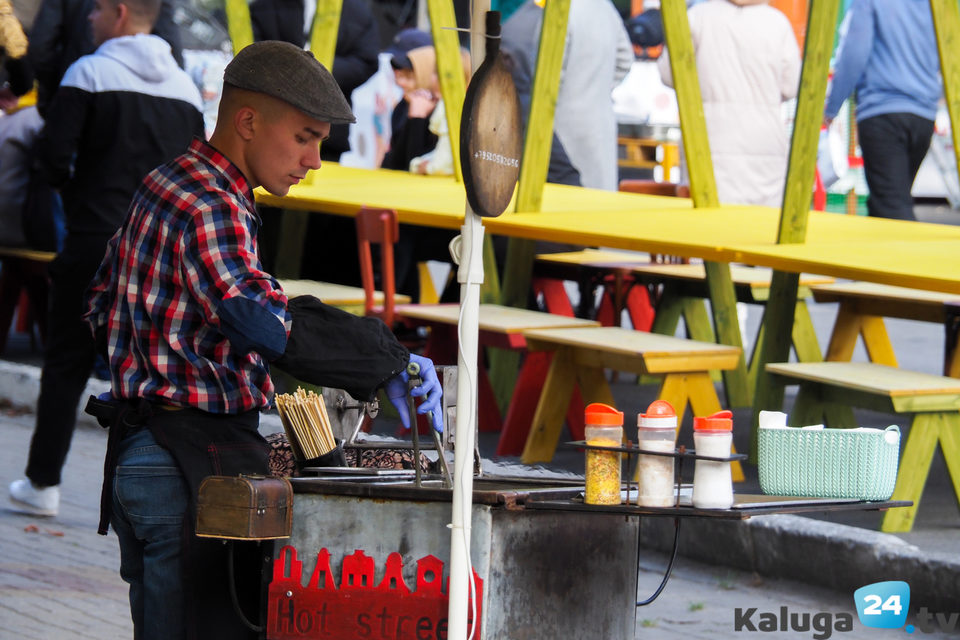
189 320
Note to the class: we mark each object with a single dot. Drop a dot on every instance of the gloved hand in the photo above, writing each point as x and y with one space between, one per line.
430 387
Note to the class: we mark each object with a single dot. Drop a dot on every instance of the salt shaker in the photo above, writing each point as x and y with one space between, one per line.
656 431
604 428
712 480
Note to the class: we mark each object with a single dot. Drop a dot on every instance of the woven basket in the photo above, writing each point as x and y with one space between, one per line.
829 463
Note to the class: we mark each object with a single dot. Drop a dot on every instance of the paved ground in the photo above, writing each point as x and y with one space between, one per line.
58 578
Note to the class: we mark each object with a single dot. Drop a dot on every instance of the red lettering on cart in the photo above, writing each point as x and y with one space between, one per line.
360 607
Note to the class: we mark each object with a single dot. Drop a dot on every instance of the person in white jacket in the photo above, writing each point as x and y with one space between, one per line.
748 63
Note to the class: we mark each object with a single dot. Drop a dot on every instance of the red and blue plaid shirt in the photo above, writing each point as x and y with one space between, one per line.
188 243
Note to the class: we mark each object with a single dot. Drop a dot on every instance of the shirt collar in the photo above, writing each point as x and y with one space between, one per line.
219 161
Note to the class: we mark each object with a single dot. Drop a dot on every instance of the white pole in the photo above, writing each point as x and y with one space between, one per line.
470 277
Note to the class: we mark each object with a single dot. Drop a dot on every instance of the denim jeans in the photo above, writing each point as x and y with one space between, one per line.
150 500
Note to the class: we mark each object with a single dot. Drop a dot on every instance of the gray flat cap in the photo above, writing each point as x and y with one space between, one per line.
289 73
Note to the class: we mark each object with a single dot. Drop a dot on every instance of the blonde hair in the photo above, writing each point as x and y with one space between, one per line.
423 61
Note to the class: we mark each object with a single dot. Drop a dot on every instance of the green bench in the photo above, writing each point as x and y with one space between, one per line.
829 391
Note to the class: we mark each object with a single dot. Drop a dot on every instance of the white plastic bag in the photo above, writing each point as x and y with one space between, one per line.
831 157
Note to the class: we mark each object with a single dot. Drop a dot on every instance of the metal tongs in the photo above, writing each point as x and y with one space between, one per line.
413 374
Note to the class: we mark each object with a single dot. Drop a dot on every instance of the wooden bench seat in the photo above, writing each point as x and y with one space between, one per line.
680 292
582 354
864 305
337 295
829 391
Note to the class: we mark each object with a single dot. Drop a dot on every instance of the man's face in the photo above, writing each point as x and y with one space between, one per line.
103 20
286 145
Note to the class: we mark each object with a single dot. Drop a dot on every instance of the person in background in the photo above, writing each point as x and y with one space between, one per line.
888 59
61 34
355 56
189 348
330 240
19 127
421 145
520 41
118 113
596 57
748 64
404 41
414 72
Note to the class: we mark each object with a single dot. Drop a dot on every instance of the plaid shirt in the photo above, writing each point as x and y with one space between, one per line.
188 243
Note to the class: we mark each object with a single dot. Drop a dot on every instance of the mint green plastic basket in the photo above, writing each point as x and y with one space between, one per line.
829 463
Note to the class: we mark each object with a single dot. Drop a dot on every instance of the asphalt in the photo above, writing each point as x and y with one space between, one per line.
58 579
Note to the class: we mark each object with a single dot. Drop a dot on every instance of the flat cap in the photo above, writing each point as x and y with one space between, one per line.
287 72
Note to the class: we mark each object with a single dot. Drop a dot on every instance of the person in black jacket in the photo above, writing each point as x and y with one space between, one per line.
333 239
118 113
355 58
61 34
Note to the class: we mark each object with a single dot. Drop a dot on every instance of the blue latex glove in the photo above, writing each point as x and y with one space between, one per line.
429 388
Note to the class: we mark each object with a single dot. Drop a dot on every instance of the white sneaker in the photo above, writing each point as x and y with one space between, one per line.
27 498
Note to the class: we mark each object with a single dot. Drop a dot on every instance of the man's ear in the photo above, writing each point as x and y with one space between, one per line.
245 121
121 13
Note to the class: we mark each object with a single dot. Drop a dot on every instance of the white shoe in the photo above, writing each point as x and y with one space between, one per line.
27 498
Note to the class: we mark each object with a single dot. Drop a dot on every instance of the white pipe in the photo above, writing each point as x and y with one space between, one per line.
470 277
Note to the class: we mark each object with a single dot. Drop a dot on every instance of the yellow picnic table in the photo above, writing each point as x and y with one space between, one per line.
908 254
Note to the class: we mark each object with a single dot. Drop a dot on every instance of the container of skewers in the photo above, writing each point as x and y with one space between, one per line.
307 424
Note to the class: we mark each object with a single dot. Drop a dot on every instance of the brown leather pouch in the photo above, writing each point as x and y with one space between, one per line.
244 508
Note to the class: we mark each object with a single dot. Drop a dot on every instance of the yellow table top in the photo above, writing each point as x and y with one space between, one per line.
909 254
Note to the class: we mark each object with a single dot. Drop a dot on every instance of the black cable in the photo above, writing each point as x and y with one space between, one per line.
233 593
673 556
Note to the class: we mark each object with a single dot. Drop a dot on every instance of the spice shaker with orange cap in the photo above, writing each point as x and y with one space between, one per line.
712 479
604 428
656 431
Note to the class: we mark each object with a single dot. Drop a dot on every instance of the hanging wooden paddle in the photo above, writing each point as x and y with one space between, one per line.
491 139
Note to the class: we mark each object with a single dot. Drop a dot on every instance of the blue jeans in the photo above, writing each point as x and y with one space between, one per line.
150 500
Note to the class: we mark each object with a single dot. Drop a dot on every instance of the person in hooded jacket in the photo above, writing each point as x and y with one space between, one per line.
60 34
748 64
119 112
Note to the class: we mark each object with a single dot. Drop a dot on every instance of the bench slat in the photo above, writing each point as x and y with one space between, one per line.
869 377
493 317
618 347
331 293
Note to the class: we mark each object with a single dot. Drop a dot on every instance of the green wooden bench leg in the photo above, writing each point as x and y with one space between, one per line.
914 466
950 445
665 322
807 407
698 324
669 310
805 342
838 416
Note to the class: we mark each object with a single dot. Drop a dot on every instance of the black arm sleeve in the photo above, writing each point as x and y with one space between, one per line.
332 348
